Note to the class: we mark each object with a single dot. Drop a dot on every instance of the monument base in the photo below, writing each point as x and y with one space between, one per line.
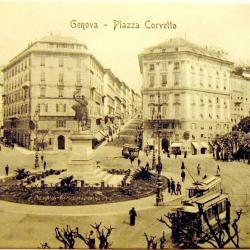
81 164
81 153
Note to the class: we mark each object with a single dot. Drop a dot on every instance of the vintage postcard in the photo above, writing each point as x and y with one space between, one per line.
124 124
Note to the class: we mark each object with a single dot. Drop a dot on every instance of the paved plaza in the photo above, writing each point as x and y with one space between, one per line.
29 225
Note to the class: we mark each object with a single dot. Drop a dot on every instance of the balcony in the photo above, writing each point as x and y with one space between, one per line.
26 84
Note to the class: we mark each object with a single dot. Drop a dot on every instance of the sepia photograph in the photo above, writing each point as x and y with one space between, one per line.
124 124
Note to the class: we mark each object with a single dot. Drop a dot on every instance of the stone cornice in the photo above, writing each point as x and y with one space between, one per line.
183 89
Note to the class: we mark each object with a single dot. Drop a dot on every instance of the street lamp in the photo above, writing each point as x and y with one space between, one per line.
157 130
36 119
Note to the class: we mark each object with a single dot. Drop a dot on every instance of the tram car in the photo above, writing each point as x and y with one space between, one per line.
204 202
206 185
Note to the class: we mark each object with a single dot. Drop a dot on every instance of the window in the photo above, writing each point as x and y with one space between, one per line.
164 80
152 81
201 101
57 107
176 79
60 92
165 97
176 65
164 66
42 91
151 67
176 98
42 76
61 124
177 111
152 98
64 108
61 77
193 126
46 107
164 111
60 62
42 63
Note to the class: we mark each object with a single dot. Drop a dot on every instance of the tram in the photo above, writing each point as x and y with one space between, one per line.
206 185
205 201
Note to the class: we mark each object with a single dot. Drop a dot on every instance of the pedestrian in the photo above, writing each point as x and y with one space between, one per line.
198 169
42 158
183 175
147 166
91 240
178 188
175 154
131 157
185 154
44 165
218 170
132 214
7 169
182 165
139 162
173 187
169 185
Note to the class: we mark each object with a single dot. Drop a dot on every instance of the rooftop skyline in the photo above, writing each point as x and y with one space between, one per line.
223 26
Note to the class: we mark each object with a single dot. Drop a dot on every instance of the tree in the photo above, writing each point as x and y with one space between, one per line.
68 237
218 236
68 184
152 241
244 124
103 235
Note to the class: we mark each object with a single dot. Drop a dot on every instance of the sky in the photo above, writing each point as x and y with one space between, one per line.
220 25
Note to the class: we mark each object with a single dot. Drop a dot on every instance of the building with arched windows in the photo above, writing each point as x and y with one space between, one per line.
194 84
39 84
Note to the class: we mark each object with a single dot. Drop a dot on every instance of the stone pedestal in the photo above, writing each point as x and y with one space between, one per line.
82 166
80 156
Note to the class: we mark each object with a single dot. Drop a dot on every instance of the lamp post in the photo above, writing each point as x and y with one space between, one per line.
36 118
157 131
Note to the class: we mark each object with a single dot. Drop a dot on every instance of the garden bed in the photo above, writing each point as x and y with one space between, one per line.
11 190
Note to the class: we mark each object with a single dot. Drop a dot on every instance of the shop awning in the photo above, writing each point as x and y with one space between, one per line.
176 145
204 145
196 145
98 136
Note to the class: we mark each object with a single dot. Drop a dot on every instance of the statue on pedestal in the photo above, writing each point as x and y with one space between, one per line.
81 110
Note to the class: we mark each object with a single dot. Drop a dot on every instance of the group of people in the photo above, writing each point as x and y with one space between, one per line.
172 187
232 146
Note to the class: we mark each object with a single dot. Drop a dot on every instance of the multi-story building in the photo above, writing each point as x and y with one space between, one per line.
109 92
240 94
43 79
39 84
193 83
1 101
